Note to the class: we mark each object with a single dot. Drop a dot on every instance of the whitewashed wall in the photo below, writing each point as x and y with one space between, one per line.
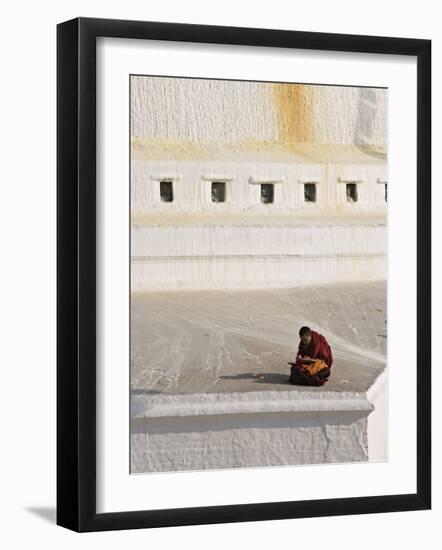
232 111
195 131
234 441
248 272
260 256
248 429
192 187
259 240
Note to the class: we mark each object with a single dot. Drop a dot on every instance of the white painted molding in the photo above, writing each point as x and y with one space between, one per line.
309 180
380 180
350 180
217 178
157 406
166 177
260 181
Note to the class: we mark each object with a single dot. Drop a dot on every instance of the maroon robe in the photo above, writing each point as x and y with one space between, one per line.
318 348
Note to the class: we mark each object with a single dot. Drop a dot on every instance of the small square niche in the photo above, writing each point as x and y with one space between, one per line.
267 193
351 191
218 192
166 191
310 192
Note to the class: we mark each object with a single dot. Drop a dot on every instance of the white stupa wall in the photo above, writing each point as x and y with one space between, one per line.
243 243
253 440
193 132
248 272
192 187
250 429
228 111
256 241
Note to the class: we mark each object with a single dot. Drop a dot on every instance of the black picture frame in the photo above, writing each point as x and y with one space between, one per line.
77 288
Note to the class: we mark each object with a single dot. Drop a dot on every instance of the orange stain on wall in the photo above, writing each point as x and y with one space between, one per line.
294 107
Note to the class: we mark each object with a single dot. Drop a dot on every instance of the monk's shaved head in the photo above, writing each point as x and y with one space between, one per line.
306 335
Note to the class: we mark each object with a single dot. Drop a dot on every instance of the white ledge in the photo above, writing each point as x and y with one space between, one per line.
303 181
350 180
217 177
167 405
260 181
166 177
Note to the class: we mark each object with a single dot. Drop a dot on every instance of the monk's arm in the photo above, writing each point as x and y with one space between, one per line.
323 353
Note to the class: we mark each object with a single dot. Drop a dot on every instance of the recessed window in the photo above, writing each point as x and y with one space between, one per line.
385 192
166 191
218 191
310 192
351 192
267 193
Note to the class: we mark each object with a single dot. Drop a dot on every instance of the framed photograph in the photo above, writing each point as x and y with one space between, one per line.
244 260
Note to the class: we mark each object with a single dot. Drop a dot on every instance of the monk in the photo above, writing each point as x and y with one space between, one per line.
313 361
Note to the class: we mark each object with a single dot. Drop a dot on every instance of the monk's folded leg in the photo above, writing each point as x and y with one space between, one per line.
324 374
298 378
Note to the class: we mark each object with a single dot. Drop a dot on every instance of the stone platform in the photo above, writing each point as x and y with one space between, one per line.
209 378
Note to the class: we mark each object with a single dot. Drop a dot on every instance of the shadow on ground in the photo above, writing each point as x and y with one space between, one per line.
46 513
261 378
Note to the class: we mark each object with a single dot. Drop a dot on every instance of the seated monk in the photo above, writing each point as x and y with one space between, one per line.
313 361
